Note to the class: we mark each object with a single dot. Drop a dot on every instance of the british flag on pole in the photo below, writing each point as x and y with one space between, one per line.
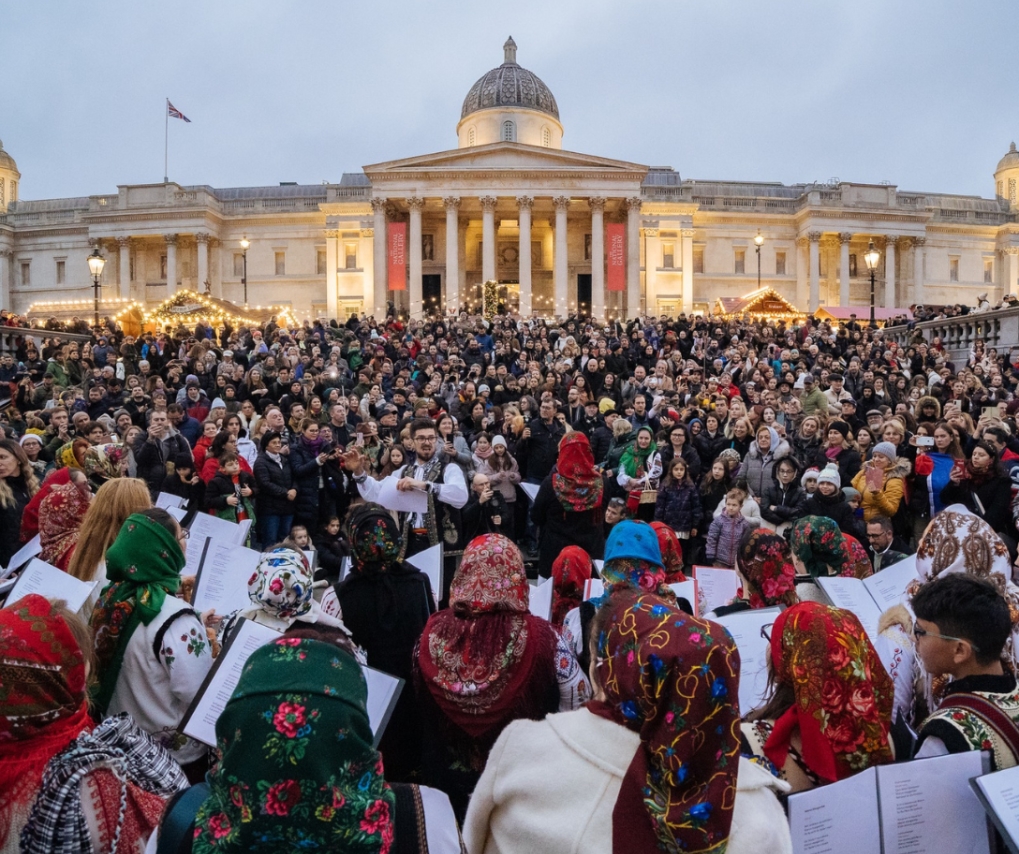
174 113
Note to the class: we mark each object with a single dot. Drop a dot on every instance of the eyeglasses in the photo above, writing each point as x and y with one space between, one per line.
766 632
184 534
920 633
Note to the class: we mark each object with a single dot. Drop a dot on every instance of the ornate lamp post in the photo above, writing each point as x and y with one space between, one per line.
245 243
758 243
96 262
872 256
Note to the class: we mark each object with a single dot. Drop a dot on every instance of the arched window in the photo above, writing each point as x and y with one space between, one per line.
546 137
509 132
470 138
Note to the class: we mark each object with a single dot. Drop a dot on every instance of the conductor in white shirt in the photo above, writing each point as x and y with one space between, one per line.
442 482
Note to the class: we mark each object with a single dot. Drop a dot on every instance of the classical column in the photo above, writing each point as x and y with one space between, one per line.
417 309
524 206
367 252
332 305
815 270
375 305
487 239
202 239
171 263
6 277
918 289
652 252
560 265
633 257
1010 255
452 204
844 239
687 270
597 205
124 254
890 271
802 284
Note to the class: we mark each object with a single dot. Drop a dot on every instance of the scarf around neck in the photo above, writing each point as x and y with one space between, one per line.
634 460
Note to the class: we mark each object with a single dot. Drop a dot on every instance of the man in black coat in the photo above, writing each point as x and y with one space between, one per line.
538 448
157 454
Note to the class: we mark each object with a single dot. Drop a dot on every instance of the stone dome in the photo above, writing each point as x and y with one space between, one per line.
509 85
1010 160
6 161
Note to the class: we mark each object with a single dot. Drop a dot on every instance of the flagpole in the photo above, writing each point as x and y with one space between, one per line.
166 141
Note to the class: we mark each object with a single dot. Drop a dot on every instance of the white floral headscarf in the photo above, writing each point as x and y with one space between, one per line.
281 590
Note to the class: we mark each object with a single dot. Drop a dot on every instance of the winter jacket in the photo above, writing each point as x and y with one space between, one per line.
990 499
709 447
788 502
10 519
306 471
838 510
538 454
155 456
757 468
887 500
220 488
679 506
273 480
848 461
692 458
724 537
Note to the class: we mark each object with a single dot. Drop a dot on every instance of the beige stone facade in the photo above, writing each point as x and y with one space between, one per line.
511 204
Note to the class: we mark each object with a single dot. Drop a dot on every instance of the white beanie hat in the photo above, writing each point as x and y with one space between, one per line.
809 474
830 474
499 440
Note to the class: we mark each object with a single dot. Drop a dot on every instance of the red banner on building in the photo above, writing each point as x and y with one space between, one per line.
397 256
615 252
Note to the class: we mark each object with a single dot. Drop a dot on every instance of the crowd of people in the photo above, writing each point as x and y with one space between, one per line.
534 450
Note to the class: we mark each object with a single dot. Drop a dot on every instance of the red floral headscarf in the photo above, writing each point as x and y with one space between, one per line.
768 570
60 516
843 705
569 572
673 679
577 483
672 553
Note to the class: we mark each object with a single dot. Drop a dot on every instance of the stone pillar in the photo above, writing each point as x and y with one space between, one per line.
417 309
652 254
332 263
890 271
1010 257
367 251
687 270
918 290
560 261
204 284
815 271
171 263
452 205
6 278
487 239
524 205
124 254
633 256
844 239
597 205
375 306
802 282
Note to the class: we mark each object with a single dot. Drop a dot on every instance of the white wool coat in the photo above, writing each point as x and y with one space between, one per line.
551 785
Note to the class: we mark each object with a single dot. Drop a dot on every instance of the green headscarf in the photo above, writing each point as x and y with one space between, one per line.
143 565
818 542
634 458
298 770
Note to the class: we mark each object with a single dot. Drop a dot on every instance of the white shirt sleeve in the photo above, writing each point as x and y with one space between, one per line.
369 487
453 489
186 655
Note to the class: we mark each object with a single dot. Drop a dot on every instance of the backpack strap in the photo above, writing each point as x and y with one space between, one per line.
177 825
991 715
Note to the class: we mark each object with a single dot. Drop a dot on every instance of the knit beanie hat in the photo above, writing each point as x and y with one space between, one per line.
850 493
841 426
830 474
809 474
886 449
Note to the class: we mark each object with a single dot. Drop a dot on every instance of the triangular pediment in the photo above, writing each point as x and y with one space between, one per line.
505 156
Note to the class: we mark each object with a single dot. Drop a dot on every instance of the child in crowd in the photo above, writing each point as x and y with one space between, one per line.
332 548
300 537
228 494
809 481
185 483
727 530
615 512
679 503
853 500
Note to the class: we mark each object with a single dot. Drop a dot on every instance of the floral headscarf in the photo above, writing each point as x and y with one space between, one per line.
633 559
143 566
102 461
843 694
298 770
376 540
820 544
673 679
72 455
280 590
672 553
634 459
576 482
768 570
569 572
60 516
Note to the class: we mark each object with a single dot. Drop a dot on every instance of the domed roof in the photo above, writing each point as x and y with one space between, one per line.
6 161
1010 160
509 85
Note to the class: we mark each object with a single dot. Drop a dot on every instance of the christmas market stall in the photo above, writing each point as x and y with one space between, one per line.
188 308
765 304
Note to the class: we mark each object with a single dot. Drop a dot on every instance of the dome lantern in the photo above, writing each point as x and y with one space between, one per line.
1006 177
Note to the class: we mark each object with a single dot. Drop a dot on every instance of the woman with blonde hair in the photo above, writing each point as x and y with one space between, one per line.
18 484
112 504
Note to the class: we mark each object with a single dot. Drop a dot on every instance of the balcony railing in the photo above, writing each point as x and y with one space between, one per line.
998 328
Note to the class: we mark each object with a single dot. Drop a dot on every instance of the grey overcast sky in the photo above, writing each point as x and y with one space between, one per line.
921 94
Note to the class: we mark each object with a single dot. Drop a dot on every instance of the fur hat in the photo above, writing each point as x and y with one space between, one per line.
809 474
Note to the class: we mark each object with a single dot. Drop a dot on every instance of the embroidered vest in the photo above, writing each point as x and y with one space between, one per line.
442 521
979 731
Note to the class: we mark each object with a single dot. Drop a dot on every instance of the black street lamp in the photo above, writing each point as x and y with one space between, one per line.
759 242
96 262
872 256
245 243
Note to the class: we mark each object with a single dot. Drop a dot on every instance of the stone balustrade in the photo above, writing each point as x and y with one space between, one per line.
998 328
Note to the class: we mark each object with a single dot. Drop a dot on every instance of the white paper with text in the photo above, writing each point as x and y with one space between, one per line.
52 583
540 599
222 580
715 587
840 818
745 628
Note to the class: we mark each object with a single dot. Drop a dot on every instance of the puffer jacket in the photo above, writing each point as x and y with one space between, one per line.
724 537
788 502
679 506
757 469
886 501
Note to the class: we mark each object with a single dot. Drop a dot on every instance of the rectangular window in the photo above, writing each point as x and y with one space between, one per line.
741 261
238 264
953 269
281 263
350 256
853 269
26 274
780 263
988 270
669 255
320 262
698 259
61 270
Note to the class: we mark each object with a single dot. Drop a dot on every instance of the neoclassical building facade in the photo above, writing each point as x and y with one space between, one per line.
555 228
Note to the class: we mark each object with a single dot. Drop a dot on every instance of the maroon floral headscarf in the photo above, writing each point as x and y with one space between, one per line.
767 567
576 481
569 572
